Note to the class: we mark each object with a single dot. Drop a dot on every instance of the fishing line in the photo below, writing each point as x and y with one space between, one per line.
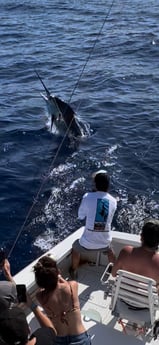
92 49
65 135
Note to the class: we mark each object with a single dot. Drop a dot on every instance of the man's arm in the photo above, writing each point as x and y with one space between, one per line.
41 317
82 209
123 260
119 263
7 271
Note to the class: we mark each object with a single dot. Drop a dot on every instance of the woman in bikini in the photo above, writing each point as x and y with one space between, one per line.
59 298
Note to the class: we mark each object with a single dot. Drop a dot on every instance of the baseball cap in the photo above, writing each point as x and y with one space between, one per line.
151 220
103 172
14 329
101 180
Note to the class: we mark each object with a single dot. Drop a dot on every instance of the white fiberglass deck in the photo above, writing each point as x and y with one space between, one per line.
95 302
96 314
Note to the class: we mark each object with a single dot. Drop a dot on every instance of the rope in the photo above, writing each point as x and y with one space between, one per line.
65 135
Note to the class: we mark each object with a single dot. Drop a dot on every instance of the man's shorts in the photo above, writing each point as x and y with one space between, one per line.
84 251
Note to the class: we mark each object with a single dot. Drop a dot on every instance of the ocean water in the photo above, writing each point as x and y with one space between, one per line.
102 57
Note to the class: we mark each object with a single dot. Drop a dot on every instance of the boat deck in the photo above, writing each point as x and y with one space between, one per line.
95 301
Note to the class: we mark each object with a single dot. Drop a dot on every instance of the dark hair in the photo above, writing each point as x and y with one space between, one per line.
14 328
150 233
102 182
46 273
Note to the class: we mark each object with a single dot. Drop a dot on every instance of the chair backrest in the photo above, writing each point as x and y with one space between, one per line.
137 292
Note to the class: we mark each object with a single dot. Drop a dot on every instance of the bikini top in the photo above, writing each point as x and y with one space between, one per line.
62 315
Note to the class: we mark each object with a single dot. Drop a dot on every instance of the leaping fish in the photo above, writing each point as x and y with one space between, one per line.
62 115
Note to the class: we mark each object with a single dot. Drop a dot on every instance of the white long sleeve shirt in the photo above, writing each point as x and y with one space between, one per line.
98 208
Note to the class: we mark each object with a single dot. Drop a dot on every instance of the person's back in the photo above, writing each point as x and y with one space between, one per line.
59 298
62 307
98 208
142 260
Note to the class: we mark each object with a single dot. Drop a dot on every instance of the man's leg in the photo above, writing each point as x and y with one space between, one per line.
111 255
79 256
75 259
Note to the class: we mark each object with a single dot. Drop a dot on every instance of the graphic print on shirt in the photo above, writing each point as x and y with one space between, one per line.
101 216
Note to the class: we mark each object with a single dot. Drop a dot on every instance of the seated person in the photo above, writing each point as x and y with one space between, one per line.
14 328
143 260
98 207
59 299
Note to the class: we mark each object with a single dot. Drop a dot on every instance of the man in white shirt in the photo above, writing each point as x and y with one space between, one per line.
98 209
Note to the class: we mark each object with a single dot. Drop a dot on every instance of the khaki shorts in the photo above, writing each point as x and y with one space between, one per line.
84 251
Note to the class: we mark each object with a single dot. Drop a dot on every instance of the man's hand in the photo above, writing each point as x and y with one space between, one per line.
6 267
6 270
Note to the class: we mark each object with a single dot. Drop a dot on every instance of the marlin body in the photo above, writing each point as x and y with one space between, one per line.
62 115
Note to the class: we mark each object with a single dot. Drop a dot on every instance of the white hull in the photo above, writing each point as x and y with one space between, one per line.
96 313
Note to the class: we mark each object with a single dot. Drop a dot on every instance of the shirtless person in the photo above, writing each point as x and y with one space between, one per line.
59 298
143 260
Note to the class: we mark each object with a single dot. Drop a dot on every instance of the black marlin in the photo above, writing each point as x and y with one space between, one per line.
62 115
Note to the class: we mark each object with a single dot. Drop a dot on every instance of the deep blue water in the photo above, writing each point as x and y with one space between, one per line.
103 58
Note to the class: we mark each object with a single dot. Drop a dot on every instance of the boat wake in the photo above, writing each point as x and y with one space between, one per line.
69 181
133 210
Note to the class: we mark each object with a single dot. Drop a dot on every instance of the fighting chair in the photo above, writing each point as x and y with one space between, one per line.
134 301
